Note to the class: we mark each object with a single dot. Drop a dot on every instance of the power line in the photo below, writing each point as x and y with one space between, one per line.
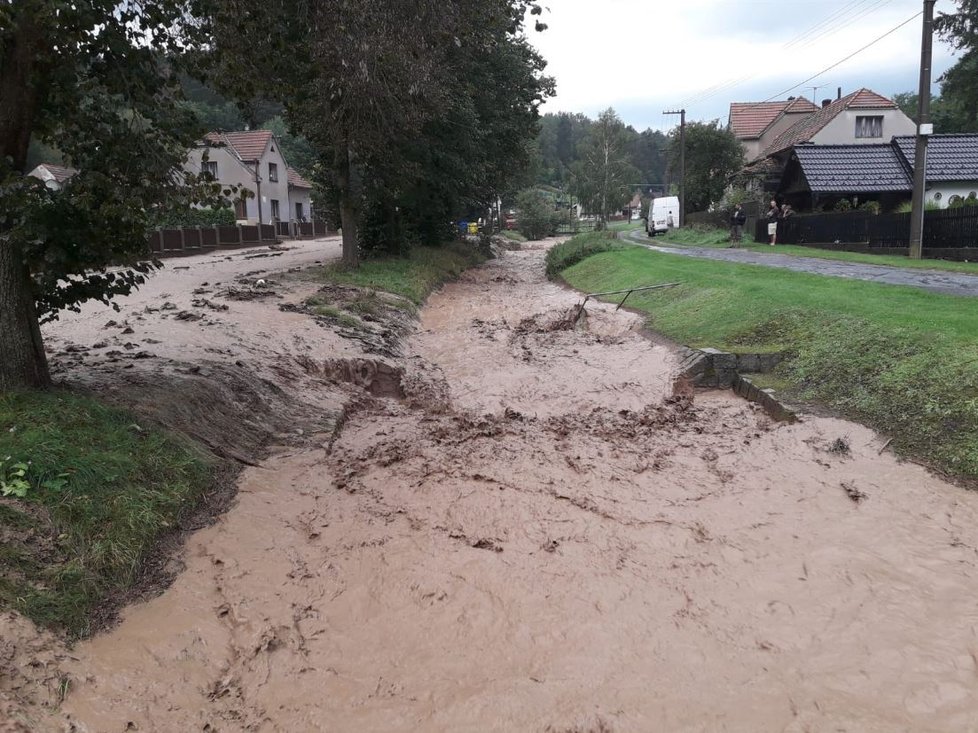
830 24
839 63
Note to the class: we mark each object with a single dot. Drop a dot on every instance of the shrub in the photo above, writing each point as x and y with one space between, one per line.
579 248
194 218
536 218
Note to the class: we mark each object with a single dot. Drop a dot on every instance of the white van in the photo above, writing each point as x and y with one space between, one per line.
663 215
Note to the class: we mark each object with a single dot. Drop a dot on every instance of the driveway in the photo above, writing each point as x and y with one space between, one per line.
946 283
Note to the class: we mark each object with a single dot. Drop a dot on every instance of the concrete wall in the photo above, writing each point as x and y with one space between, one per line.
842 130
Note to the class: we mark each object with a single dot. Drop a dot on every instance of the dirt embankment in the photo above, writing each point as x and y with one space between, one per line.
524 527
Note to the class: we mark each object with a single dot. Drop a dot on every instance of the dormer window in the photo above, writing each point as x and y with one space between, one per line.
869 127
273 172
210 168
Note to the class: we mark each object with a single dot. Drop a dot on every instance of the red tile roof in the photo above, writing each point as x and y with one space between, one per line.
296 180
59 172
248 145
749 120
804 130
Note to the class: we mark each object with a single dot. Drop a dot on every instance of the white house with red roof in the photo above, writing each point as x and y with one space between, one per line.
757 124
253 161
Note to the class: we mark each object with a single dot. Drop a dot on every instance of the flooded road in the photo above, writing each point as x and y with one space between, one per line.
543 536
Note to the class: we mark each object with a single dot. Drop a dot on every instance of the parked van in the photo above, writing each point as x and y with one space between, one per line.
663 215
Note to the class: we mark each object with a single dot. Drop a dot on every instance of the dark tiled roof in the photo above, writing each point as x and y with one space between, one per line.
949 157
248 145
853 168
297 181
806 129
749 120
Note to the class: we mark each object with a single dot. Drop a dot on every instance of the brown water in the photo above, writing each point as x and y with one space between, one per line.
543 538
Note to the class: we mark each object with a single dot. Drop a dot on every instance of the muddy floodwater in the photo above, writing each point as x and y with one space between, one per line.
543 534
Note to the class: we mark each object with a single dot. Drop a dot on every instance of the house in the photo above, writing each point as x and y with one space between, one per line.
253 161
860 118
952 166
821 175
757 124
53 176
300 196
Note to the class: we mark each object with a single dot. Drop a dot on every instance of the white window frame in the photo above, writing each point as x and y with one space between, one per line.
869 127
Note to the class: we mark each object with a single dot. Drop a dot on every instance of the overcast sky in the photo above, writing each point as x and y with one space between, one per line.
644 56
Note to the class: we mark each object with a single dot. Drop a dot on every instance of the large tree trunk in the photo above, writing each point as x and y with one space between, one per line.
22 360
349 207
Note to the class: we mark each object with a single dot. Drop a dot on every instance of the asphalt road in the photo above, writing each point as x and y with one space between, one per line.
947 283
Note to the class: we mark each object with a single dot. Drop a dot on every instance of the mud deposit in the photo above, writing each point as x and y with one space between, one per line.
535 533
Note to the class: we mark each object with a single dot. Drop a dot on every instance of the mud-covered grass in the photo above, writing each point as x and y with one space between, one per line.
700 236
413 277
513 235
902 360
101 491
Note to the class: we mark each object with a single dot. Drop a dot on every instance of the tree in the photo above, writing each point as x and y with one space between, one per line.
359 78
82 76
713 154
959 84
603 173
536 217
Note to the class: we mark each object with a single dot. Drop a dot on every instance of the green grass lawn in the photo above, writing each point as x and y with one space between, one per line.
99 490
900 359
711 237
414 276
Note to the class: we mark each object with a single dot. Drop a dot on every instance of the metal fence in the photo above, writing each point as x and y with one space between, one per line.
944 230
567 229
195 240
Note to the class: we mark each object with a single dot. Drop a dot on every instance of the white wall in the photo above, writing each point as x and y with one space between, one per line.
947 190
303 196
230 172
842 130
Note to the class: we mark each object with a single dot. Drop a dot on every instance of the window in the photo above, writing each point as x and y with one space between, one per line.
938 196
275 212
273 172
299 214
241 209
869 127
210 168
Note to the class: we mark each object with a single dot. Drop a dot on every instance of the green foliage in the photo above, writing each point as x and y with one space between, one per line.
907 206
842 206
871 351
873 207
536 217
569 253
602 173
209 217
414 276
102 490
713 154
961 201
13 479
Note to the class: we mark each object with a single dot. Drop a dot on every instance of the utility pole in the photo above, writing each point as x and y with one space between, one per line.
682 163
924 129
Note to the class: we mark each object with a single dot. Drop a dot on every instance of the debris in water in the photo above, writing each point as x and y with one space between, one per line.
853 493
840 446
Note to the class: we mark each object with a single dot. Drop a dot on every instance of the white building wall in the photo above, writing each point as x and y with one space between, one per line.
274 190
941 192
230 172
842 130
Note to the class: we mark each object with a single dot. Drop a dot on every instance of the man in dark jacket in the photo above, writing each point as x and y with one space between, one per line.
737 220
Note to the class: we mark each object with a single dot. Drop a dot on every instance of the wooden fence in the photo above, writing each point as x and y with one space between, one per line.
949 233
196 240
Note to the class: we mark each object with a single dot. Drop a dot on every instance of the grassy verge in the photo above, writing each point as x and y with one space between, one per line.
413 277
579 248
98 491
512 235
711 237
902 360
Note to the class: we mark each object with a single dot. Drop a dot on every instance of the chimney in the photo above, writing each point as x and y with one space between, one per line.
826 103
839 93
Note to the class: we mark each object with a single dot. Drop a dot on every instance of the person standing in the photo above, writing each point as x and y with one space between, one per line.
737 220
773 214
